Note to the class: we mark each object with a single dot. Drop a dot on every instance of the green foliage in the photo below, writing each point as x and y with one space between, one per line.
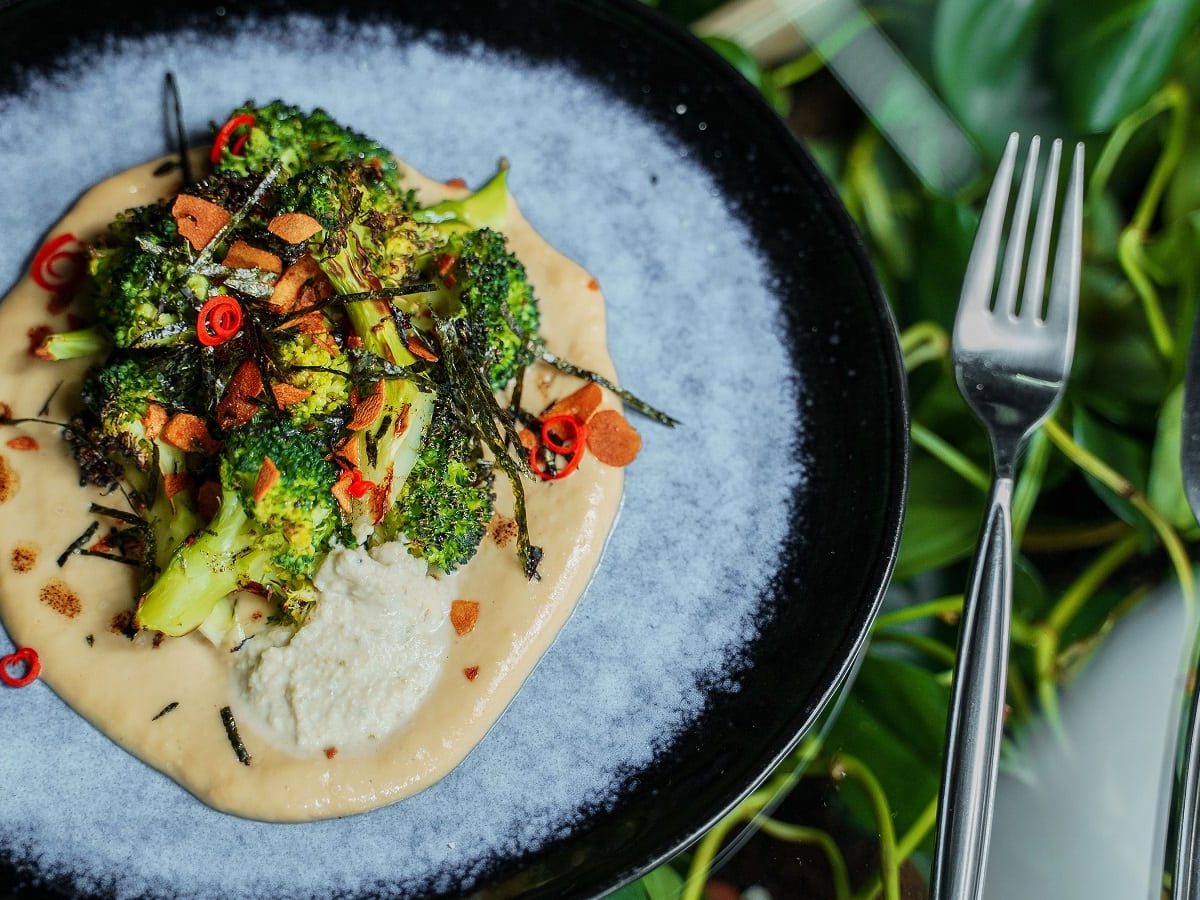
1103 484
1111 55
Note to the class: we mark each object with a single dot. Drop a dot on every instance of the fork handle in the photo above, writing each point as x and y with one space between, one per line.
976 709
1183 838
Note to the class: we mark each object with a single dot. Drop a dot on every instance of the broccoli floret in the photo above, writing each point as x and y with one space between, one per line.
330 391
118 397
491 285
446 502
277 540
120 394
303 141
139 272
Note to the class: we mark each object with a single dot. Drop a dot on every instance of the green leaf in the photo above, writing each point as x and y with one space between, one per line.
1165 490
945 232
942 521
1112 55
662 884
1121 452
633 891
742 60
986 58
894 721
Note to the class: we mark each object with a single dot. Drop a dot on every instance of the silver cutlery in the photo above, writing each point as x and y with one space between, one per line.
1011 363
1183 837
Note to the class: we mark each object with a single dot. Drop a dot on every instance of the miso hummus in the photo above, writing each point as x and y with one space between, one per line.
363 661
377 696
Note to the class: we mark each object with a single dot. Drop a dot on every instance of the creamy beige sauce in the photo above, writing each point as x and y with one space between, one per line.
120 685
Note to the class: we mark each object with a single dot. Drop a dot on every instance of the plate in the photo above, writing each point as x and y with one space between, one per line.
755 540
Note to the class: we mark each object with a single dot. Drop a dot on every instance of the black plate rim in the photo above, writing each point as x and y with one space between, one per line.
838 673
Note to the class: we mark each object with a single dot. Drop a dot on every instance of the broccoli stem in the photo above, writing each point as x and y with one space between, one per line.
223 556
90 341
486 208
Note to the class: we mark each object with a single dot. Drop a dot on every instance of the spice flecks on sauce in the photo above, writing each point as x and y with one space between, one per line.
502 529
24 557
8 481
59 597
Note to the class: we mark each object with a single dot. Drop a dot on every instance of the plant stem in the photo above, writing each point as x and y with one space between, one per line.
889 862
923 342
950 457
912 839
1078 537
1172 98
1029 485
931 647
1090 580
1117 483
799 834
944 608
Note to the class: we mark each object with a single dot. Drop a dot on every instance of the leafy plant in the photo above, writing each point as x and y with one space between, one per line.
1099 513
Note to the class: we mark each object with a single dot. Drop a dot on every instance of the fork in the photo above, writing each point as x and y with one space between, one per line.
1011 364
1183 836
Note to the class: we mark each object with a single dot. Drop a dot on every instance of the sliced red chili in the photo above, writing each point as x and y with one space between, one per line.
225 132
359 486
219 319
576 433
26 657
58 264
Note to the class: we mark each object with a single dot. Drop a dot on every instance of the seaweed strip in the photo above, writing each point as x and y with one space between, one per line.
485 425
170 707
45 410
578 371
234 221
235 739
180 138
77 544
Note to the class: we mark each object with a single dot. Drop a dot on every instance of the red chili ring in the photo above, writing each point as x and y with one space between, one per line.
43 270
33 667
571 465
225 132
218 320
577 429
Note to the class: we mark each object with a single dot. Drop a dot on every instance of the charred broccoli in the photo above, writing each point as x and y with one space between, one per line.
276 519
446 502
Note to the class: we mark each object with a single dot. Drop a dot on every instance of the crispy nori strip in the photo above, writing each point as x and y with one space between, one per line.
119 514
480 414
234 221
176 109
77 544
361 297
578 371
235 739
170 707
45 410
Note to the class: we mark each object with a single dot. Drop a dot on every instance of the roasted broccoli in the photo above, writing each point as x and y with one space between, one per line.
490 284
276 520
118 401
312 362
446 502
144 294
303 141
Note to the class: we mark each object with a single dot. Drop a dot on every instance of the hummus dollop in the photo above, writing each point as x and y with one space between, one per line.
361 663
